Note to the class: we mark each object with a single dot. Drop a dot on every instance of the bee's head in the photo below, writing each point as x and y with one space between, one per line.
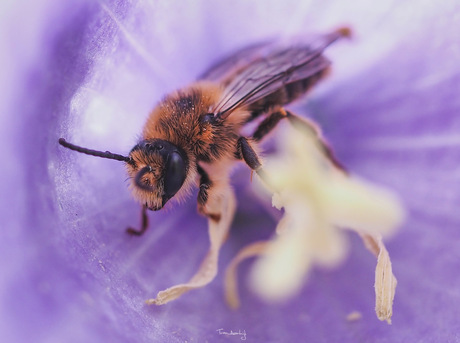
158 170
156 167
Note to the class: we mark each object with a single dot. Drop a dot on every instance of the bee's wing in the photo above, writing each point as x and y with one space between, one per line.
230 65
266 74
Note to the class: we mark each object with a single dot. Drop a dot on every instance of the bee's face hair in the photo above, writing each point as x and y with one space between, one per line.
158 170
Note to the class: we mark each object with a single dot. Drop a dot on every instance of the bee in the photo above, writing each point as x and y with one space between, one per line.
193 136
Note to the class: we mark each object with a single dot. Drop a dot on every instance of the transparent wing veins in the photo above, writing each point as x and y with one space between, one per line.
265 68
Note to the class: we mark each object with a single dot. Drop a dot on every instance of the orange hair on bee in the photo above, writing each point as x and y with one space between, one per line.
138 179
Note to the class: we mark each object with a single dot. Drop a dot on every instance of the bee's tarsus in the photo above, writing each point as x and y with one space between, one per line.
133 232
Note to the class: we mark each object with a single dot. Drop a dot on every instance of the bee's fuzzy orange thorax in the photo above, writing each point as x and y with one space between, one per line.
179 119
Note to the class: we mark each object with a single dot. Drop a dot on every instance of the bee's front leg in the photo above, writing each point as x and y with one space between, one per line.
203 195
144 224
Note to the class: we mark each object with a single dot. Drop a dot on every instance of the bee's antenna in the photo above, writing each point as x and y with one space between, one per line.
86 151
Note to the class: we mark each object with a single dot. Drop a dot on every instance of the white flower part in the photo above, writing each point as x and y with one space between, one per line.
362 206
385 281
218 231
318 200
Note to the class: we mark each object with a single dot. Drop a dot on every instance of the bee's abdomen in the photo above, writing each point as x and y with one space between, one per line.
294 90
286 94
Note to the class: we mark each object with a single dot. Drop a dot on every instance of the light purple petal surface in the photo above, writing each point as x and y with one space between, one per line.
91 71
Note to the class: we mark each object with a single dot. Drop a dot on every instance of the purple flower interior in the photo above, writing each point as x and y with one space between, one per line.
91 72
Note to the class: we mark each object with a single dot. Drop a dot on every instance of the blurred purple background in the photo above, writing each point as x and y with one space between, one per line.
90 71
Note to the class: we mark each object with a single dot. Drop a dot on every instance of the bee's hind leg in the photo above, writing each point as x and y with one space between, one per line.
268 124
310 126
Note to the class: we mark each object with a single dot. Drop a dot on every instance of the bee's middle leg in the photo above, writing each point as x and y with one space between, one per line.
246 152
203 195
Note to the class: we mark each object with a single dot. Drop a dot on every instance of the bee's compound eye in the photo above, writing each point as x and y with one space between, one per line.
175 173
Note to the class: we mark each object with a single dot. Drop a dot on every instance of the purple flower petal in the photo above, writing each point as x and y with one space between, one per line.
91 71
